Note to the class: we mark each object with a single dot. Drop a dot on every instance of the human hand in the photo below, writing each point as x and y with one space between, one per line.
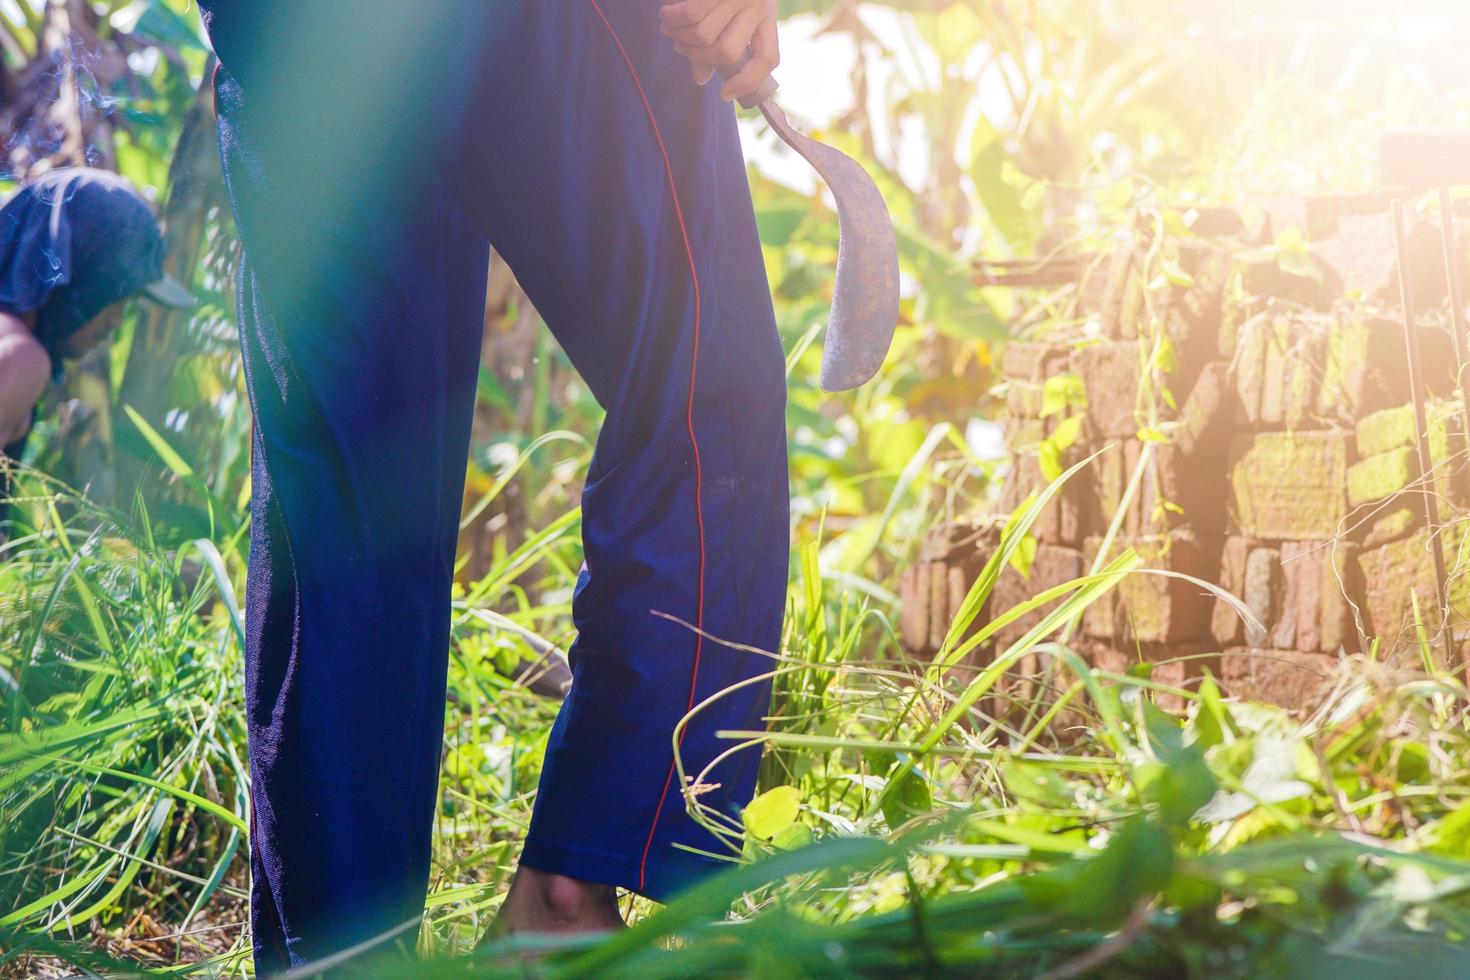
714 34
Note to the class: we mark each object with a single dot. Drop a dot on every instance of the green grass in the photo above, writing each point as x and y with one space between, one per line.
906 825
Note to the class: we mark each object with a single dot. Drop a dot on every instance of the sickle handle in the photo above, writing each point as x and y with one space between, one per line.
753 100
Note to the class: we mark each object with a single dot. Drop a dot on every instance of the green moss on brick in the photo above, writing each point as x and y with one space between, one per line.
1380 476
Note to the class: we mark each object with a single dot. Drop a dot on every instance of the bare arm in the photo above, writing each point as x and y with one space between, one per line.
25 367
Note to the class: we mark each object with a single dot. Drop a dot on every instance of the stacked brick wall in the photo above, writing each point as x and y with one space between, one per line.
1260 409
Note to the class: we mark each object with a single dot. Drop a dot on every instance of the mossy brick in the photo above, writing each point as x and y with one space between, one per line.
1397 575
1262 595
1110 373
1226 626
1164 609
1380 476
1279 366
1393 428
1289 679
1385 474
1390 525
1289 485
1367 366
1304 380
1034 361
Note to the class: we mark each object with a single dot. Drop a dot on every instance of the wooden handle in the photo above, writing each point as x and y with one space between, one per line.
753 100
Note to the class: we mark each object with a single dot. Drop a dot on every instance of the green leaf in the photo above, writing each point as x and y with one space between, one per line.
772 812
1066 433
1061 392
908 796
1049 458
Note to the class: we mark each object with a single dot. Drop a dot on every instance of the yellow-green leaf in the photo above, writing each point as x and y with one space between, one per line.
772 812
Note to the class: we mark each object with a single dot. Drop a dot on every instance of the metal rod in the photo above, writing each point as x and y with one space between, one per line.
1457 302
1421 430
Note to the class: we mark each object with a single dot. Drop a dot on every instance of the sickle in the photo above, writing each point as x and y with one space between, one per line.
865 296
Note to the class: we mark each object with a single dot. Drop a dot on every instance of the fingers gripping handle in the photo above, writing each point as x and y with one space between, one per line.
767 88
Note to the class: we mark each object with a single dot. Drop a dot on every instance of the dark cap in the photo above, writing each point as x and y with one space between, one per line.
75 240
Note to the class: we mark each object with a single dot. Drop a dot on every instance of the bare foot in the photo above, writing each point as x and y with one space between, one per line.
541 902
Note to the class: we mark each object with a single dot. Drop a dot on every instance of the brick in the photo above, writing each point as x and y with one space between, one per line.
1060 521
1391 524
1385 474
1304 380
1287 678
1289 486
1291 368
1263 588
1183 668
1393 428
965 541
1022 433
1205 417
938 604
1193 313
1367 366
1249 368
1032 360
1273 384
1174 665
1283 631
1053 566
958 581
1341 590
1109 292
1110 478
1309 583
1023 400
1110 376
1099 620
1111 660
913 608
1170 481
1162 609
1381 475
1388 441
932 590
1397 574
1226 626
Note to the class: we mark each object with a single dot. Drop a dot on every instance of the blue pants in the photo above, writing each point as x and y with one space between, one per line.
373 151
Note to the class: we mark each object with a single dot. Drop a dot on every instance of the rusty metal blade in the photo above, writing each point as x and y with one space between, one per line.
865 296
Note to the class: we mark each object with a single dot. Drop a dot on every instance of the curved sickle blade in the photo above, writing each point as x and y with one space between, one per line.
865 297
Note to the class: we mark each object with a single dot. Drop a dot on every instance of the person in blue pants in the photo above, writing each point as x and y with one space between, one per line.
373 151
